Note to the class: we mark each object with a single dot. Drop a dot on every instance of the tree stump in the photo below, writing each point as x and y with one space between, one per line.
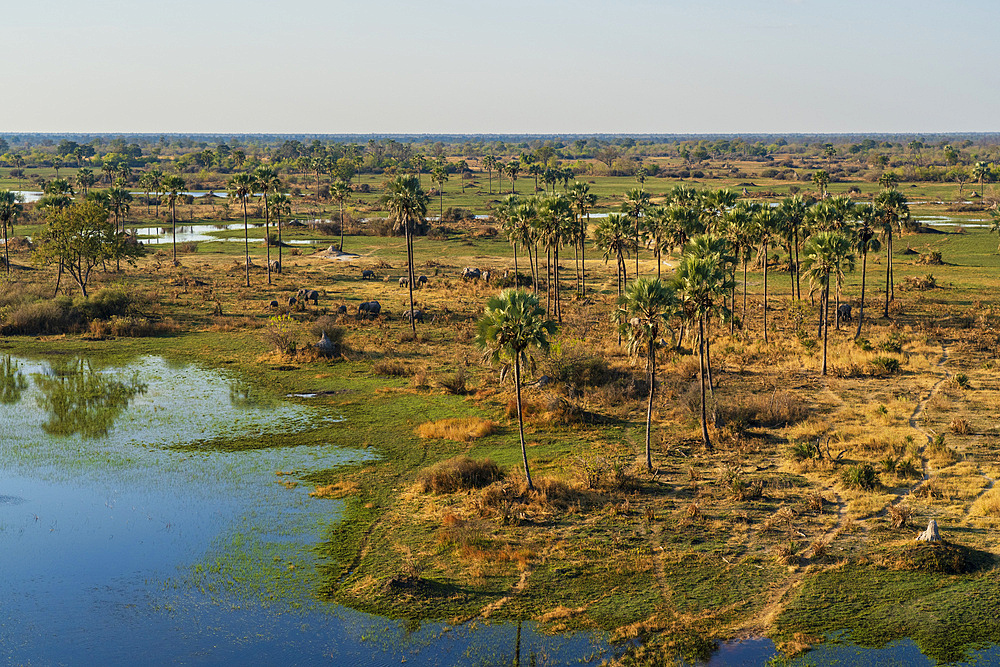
931 534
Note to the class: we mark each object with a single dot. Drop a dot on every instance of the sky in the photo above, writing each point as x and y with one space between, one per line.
534 67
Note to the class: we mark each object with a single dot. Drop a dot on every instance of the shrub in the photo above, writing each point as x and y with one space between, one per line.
861 476
962 380
391 368
960 426
881 366
781 408
454 384
463 429
458 474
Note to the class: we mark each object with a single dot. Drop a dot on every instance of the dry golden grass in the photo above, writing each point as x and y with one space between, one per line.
464 429
340 489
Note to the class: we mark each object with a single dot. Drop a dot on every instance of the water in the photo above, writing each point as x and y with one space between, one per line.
116 546
207 233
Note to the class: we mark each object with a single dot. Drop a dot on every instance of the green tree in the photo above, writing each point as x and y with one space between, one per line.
612 237
407 202
280 204
267 181
79 238
513 323
893 212
583 200
241 188
643 311
827 253
173 186
980 172
10 209
340 192
85 180
635 205
795 210
768 222
701 284
440 176
865 241
821 179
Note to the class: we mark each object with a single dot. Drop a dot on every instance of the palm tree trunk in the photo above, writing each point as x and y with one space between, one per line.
555 287
409 273
765 291
888 273
576 264
246 238
342 226
267 236
798 284
649 405
173 227
6 248
278 215
583 258
745 317
861 306
516 281
826 320
701 362
520 417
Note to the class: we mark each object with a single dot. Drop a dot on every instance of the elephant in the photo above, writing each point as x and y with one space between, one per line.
404 281
486 276
422 281
341 309
369 309
312 295
274 303
292 301
275 266
368 274
470 273
418 315
844 312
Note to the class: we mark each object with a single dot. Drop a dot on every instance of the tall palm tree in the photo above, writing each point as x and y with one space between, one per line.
85 180
522 223
794 209
440 176
865 241
827 253
512 324
513 168
583 200
893 212
10 209
340 192
643 310
980 172
406 202
241 187
504 213
701 284
635 205
146 183
612 237
156 183
768 221
280 204
267 180
173 186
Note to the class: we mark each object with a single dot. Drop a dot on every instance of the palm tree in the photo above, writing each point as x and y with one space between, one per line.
825 253
583 200
893 211
646 306
407 201
340 192
173 186
865 241
280 204
768 221
241 187
156 182
556 217
980 172
440 176
504 213
513 168
700 281
794 209
10 209
635 205
612 237
522 223
512 324
267 180
146 183
489 162
821 179
85 180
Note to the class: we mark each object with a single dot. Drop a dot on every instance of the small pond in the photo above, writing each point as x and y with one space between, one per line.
117 542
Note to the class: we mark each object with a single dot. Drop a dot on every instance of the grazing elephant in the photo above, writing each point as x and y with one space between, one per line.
422 281
418 315
368 274
469 273
292 301
341 309
404 281
369 310
486 276
275 266
274 303
311 295
844 312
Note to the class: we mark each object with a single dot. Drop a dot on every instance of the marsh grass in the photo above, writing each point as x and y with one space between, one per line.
461 429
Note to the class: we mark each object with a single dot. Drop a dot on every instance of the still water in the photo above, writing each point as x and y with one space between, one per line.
117 547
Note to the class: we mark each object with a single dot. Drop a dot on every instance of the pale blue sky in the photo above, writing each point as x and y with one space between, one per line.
548 66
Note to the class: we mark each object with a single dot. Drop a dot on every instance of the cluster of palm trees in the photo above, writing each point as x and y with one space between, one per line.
262 181
552 222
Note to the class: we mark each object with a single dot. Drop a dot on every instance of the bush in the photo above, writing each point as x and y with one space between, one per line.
881 366
459 474
861 476
42 317
779 409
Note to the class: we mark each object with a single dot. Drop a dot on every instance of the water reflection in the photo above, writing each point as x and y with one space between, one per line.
80 400
12 381
244 395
